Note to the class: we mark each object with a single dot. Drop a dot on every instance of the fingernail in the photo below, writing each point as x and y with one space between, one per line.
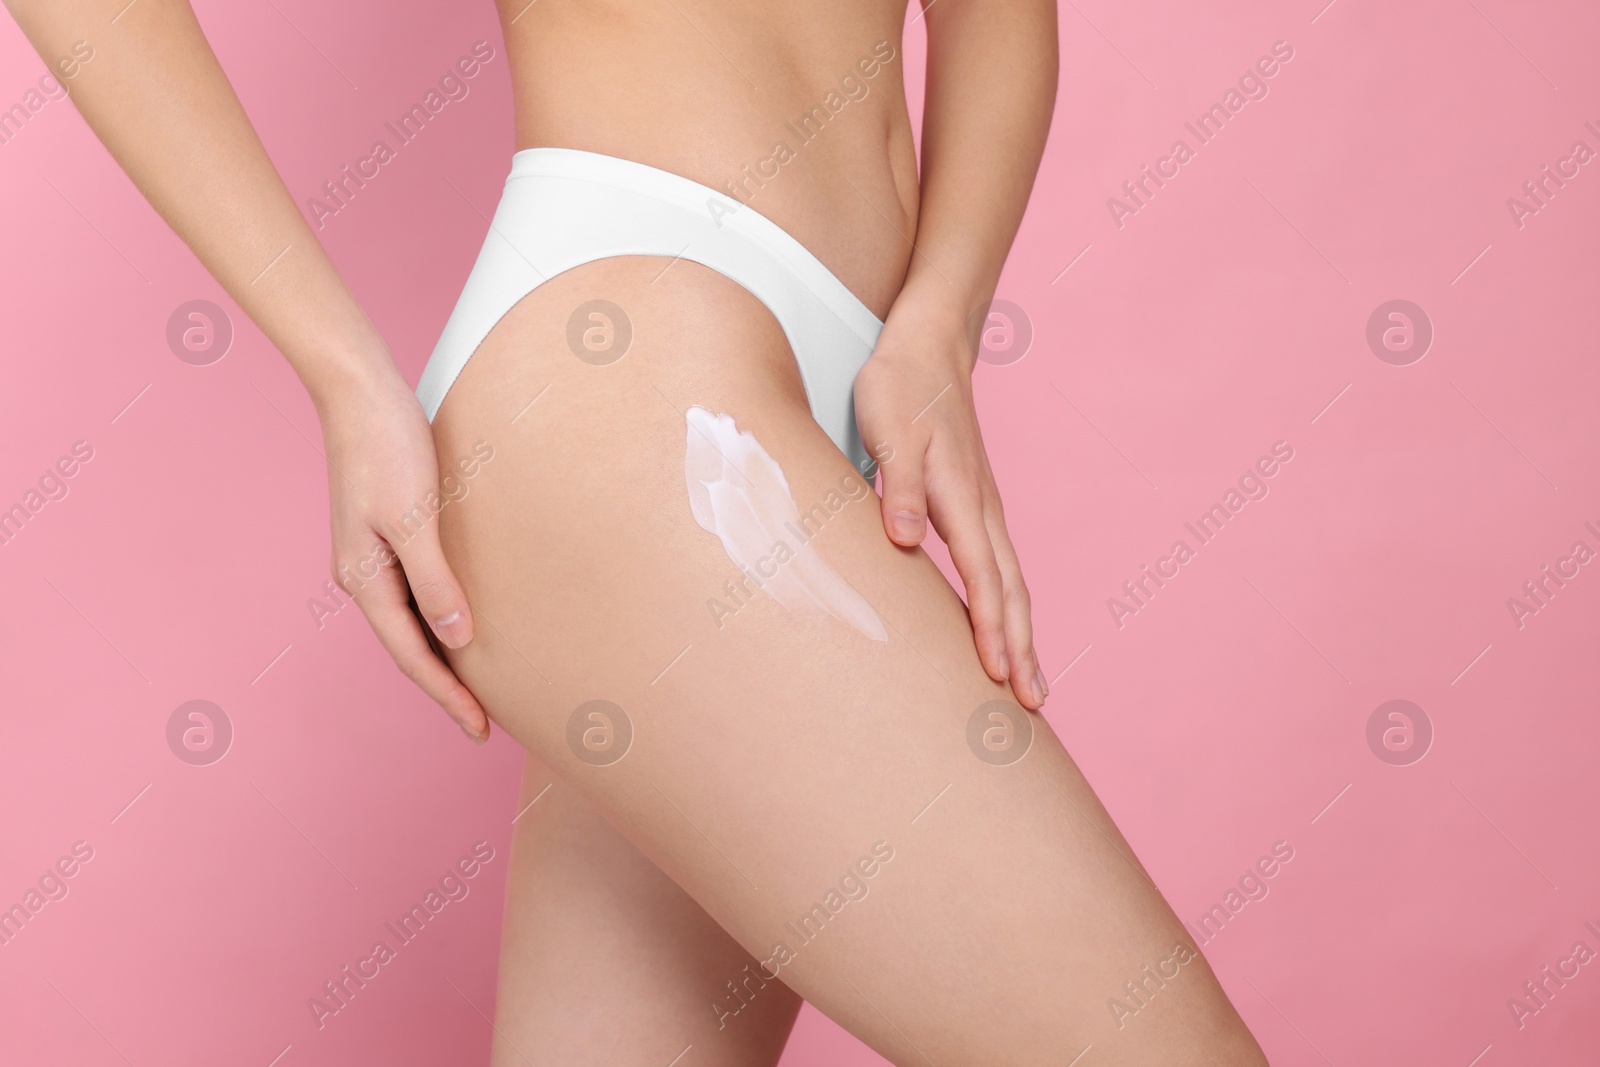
1040 690
476 739
908 526
451 630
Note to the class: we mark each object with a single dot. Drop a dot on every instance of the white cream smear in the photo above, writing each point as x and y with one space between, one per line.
738 492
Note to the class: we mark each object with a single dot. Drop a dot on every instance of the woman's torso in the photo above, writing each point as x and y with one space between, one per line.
796 110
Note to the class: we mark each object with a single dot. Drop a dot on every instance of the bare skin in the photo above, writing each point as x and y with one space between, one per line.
771 754
771 757
604 959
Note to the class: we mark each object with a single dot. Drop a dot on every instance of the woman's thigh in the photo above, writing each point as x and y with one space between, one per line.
605 960
850 810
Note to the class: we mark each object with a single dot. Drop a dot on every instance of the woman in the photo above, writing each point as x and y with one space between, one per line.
783 759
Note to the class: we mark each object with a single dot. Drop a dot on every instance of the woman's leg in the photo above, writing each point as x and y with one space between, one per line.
843 807
604 960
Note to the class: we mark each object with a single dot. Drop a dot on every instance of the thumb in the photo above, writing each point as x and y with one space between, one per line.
440 600
905 499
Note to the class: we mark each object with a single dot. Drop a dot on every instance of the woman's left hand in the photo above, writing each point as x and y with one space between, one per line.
915 410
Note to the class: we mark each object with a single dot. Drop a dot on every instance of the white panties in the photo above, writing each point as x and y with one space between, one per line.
563 208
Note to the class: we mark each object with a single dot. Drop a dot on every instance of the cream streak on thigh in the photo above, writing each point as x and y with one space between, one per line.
738 492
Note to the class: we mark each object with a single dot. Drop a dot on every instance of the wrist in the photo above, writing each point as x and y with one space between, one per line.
352 376
951 318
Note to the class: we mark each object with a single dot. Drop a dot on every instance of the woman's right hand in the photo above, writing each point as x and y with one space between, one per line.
384 501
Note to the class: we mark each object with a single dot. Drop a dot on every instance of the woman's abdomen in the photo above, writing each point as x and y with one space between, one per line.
797 113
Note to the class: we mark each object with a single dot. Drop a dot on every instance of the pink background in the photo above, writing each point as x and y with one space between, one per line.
1228 714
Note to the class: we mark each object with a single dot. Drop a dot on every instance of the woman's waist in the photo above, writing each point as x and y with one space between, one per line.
830 159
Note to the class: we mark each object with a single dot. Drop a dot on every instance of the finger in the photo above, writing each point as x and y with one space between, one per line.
1027 676
384 602
905 501
439 597
958 516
